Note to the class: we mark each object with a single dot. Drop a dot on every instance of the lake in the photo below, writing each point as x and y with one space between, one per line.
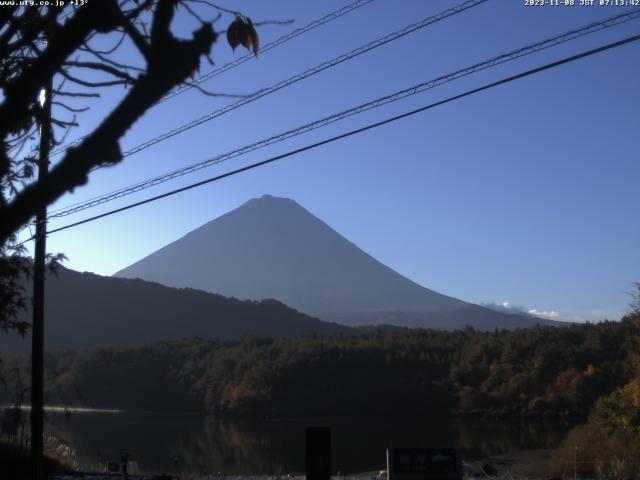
193 444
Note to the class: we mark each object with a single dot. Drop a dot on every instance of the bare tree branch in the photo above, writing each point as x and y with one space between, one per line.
68 108
63 93
105 68
86 83
100 16
170 62
136 37
108 51
39 45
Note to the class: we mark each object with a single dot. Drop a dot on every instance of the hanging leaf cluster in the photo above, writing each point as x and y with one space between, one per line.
242 32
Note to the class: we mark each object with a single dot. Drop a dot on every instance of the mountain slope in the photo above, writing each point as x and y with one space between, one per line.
86 310
273 248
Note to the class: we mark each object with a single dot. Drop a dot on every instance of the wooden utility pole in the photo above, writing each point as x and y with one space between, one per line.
37 327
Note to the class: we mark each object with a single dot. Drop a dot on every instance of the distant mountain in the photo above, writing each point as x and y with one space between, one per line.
273 248
86 310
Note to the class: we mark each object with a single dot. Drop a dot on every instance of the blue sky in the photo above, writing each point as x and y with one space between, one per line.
524 194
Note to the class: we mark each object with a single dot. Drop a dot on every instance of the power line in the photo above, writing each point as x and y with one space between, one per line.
350 133
276 43
337 60
421 87
249 56
301 76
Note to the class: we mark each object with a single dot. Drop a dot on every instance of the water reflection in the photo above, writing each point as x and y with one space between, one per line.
191 444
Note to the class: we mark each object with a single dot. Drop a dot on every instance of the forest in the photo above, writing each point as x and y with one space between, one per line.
538 372
582 374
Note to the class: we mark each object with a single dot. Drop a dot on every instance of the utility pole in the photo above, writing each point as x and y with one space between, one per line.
37 327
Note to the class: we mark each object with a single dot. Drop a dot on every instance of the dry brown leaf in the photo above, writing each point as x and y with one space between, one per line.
234 32
253 35
242 32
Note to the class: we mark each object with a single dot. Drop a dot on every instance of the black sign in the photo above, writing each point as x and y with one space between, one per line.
318 464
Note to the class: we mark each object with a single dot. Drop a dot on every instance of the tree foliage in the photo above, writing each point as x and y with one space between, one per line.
539 372
620 410
608 444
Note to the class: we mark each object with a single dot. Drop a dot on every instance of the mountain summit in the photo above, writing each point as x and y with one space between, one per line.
272 247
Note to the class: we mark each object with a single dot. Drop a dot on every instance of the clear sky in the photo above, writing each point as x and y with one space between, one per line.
526 194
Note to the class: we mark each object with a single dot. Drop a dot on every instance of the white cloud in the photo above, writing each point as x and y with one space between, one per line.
508 307
550 315
575 316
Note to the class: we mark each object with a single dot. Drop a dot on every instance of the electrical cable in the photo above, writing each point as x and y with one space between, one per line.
249 56
296 78
421 87
350 133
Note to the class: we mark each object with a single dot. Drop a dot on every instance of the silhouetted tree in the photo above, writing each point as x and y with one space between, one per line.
635 299
76 48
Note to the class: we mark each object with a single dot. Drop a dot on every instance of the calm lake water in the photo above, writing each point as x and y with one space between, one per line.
187 443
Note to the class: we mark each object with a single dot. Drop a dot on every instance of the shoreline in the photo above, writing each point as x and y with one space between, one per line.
521 464
454 415
526 464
